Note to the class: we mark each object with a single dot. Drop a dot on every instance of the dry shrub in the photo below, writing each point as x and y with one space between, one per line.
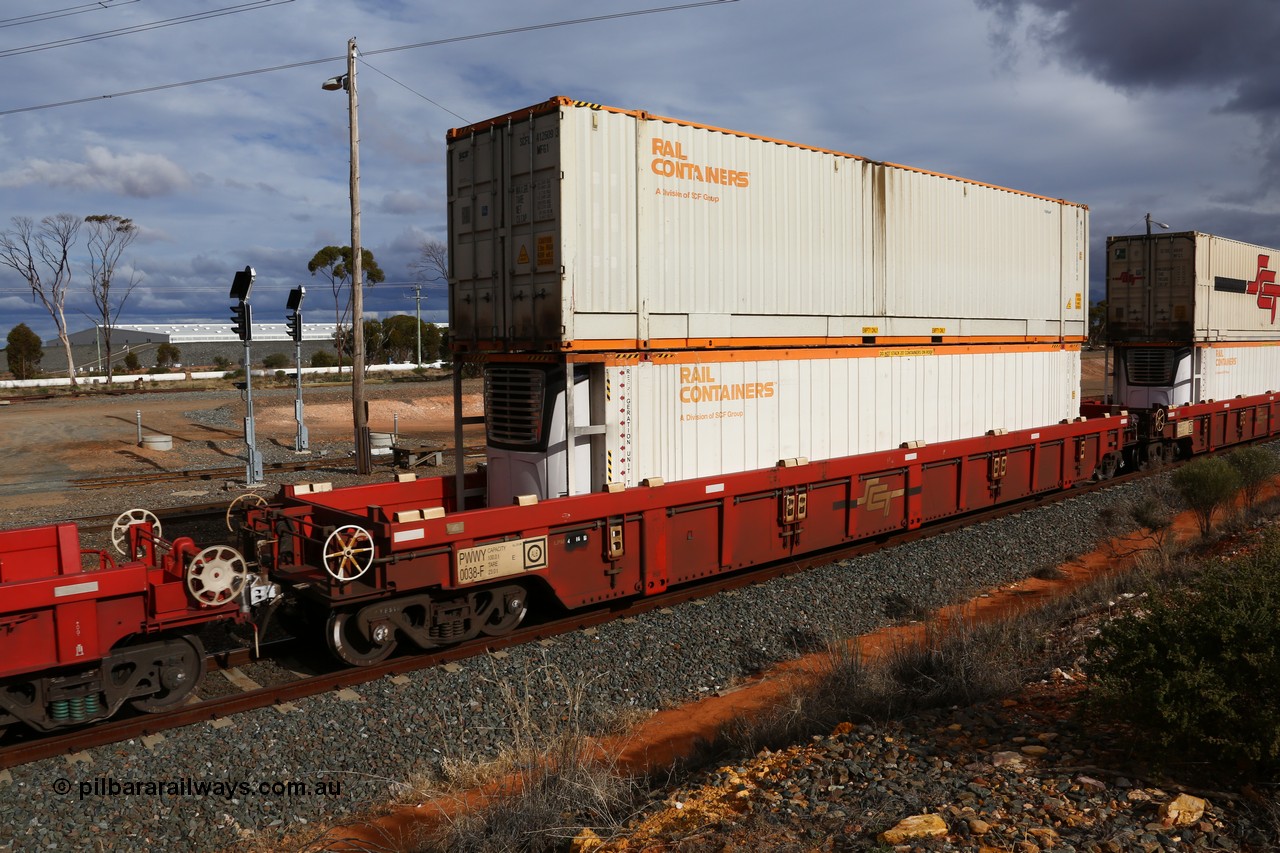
552 780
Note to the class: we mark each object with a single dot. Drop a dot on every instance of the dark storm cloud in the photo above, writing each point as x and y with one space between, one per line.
1161 45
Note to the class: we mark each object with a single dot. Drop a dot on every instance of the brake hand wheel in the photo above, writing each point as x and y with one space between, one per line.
216 575
348 553
128 518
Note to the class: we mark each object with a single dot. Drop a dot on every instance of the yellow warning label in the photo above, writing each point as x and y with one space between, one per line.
1077 300
546 250
523 257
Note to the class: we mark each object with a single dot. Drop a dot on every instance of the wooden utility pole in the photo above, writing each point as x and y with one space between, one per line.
359 409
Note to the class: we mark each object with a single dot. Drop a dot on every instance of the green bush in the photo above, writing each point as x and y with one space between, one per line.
323 358
1206 484
276 361
23 352
1255 466
1199 664
167 354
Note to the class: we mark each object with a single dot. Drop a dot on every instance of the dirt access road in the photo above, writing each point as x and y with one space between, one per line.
47 443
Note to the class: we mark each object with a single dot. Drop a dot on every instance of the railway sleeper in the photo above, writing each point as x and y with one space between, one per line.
368 635
152 677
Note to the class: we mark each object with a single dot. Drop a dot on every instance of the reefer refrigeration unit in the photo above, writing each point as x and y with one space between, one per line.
1192 317
576 227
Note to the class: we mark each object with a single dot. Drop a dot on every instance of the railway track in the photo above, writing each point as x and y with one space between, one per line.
251 696
190 513
111 481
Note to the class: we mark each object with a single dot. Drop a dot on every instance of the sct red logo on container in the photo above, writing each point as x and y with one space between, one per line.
1265 287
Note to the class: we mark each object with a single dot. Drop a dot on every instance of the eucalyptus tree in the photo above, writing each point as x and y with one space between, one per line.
334 263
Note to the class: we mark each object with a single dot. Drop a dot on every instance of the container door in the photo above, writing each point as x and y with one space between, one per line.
475 245
531 292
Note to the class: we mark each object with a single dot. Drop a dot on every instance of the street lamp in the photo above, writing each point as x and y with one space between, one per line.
360 416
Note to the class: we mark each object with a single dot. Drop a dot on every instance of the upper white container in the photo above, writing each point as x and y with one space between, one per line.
579 227
1190 287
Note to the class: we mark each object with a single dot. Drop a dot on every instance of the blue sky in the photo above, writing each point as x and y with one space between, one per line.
1129 106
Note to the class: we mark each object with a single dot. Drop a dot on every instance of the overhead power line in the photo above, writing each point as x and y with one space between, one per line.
51 14
342 57
143 28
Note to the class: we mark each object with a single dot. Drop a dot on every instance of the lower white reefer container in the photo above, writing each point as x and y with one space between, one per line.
1147 377
677 416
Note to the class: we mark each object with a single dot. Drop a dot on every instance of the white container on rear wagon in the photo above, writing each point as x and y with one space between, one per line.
685 415
576 227
1191 287
1147 377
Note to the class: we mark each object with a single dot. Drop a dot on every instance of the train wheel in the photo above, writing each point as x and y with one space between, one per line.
178 669
1107 467
504 610
349 644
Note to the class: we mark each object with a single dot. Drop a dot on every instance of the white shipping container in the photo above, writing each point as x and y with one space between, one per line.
680 416
1147 377
1190 287
573 226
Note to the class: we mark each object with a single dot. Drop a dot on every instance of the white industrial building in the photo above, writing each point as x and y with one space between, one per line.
138 334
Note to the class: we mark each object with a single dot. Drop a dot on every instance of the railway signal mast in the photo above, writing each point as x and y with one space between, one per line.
294 321
242 319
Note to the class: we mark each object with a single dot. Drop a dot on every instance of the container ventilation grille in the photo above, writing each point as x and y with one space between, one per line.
1151 366
513 400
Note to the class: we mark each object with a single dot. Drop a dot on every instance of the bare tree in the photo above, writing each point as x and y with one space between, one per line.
432 263
41 254
109 236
